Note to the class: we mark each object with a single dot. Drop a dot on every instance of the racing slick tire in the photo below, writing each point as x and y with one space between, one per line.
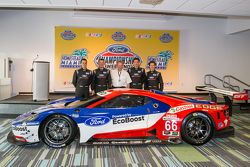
197 129
58 131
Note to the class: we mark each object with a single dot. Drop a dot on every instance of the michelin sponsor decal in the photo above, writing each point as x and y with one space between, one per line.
117 52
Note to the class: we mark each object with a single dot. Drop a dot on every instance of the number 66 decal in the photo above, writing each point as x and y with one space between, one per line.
171 125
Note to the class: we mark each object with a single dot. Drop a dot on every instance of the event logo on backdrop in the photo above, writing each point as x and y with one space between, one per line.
162 59
73 44
117 52
73 60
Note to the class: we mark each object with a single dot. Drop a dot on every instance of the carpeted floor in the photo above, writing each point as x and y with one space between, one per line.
232 151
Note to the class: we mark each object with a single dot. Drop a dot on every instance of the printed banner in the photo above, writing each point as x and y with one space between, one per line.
72 44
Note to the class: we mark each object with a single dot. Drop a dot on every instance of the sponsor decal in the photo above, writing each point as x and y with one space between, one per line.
73 60
97 121
240 96
161 59
220 125
66 83
168 84
68 35
128 120
118 36
170 133
171 117
212 107
93 34
174 133
143 36
32 123
181 108
195 114
75 115
20 128
103 93
122 116
165 133
126 142
225 122
117 52
166 38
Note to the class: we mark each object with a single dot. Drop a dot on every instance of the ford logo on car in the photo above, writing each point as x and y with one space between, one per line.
97 121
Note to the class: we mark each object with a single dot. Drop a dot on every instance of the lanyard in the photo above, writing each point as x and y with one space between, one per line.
119 75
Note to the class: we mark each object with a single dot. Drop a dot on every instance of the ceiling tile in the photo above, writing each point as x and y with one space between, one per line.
195 5
241 9
90 2
244 5
63 2
116 3
36 2
221 5
170 4
11 2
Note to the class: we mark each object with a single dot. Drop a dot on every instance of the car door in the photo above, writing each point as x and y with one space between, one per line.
126 112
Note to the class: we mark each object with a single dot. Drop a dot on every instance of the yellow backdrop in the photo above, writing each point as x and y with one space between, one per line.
72 44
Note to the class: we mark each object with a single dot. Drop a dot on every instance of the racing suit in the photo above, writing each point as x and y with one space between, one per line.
137 76
82 79
101 80
153 80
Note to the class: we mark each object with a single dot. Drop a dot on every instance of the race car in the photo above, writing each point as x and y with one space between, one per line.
122 116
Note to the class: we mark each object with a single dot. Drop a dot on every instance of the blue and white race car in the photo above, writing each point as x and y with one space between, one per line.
122 116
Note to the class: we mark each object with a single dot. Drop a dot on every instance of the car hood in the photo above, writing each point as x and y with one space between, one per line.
58 104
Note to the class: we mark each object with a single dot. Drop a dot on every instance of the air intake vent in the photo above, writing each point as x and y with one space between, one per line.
151 2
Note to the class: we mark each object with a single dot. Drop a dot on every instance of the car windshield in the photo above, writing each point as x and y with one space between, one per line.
84 103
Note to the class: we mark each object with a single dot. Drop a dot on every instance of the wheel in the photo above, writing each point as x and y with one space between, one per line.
197 129
58 131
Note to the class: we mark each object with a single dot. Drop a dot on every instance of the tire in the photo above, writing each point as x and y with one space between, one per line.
58 131
197 129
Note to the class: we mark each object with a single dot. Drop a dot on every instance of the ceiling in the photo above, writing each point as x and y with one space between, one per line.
223 8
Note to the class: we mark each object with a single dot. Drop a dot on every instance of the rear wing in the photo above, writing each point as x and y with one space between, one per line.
242 96
233 94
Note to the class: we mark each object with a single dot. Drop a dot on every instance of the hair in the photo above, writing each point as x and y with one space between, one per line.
83 59
136 59
151 62
119 61
101 59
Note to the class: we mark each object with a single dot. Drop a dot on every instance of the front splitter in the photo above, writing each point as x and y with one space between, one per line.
11 139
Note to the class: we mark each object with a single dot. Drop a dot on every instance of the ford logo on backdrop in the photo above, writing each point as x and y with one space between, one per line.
97 121
117 48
